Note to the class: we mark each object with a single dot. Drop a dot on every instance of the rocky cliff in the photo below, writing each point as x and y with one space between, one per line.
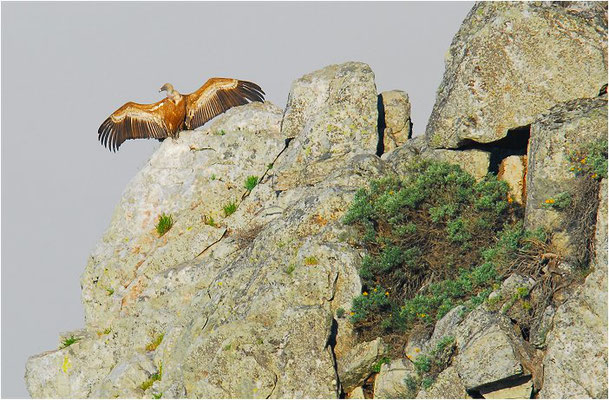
253 290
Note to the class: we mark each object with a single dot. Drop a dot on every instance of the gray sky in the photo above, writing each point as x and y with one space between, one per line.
67 66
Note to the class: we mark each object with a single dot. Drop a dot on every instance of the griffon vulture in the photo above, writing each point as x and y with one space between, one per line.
176 112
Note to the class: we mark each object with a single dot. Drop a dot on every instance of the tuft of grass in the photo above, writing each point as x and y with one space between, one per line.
110 291
311 260
148 382
251 182
210 221
69 341
155 343
157 395
377 366
212 177
164 224
340 312
290 269
230 208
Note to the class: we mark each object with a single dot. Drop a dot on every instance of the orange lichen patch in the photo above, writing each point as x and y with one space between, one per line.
133 293
319 220
139 264
136 250
513 171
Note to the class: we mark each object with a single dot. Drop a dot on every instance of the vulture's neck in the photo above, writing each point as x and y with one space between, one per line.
174 96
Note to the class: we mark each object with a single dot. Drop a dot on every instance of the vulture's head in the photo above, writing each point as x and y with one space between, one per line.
168 87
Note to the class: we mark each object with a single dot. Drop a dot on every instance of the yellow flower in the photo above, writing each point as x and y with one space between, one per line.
417 350
583 161
594 176
549 201
352 313
386 293
365 293
391 192
375 289
219 283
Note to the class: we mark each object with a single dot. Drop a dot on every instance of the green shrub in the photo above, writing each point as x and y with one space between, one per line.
251 182
375 301
434 239
230 208
427 382
560 202
164 224
422 364
340 312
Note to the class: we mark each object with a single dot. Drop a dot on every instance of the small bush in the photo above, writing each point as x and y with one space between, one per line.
164 224
560 202
230 208
251 182
340 312
590 160
422 364
427 382
368 303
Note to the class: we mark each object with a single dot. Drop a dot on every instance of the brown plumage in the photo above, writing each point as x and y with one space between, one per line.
169 116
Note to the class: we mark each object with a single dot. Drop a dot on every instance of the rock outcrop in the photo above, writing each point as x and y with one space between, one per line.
575 364
248 294
238 301
398 125
555 136
511 61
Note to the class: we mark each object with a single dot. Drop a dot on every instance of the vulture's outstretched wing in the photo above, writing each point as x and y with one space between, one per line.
216 96
135 121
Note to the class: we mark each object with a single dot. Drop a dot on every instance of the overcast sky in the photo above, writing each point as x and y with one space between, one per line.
67 66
